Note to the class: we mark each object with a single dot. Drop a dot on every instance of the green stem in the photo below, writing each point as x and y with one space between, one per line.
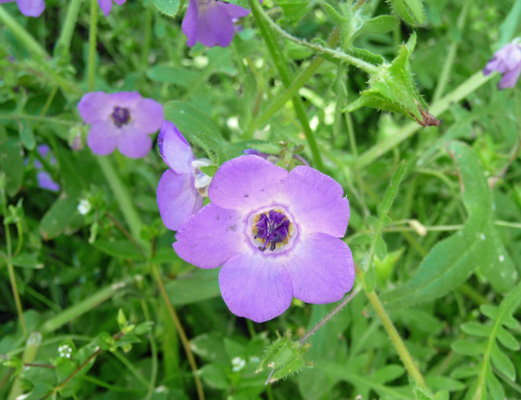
147 36
449 61
38 118
81 308
93 31
123 198
291 90
10 268
64 41
31 349
396 340
22 35
280 63
360 64
439 107
153 349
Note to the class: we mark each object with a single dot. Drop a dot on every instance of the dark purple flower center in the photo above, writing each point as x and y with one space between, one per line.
272 229
120 116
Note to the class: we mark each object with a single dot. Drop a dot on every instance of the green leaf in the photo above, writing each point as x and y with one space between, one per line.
122 249
502 362
380 24
494 387
12 164
62 217
392 191
476 329
27 260
201 285
215 376
476 245
507 339
182 77
168 7
468 348
199 130
411 11
27 134
441 382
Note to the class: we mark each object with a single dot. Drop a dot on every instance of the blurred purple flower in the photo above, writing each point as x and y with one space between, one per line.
29 8
181 189
506 61
276 235
210 22
43 177
106 5
123 120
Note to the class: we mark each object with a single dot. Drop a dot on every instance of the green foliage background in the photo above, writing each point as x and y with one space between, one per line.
444 258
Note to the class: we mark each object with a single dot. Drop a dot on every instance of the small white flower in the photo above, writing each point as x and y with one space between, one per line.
65 351
238 363
84 207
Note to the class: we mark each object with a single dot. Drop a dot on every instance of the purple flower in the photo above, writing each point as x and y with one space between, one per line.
210 22
29 8
43 177
506 61
276 235
106 5
181 189
123 120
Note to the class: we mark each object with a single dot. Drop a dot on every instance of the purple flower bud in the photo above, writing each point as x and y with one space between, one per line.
506 61
181 189
44 179
106 5
276 235
210 22
124 120
29 8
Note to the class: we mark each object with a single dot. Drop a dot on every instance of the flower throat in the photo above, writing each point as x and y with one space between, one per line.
272 229
120 116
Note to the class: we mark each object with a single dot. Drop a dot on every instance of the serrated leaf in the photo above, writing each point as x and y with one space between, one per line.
477 245
468 348
380 24
502 362
168 7
411 11
392 190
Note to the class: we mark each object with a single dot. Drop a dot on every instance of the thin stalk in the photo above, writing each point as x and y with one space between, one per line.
278 102
93 32
81 308
328 317
10 268
180 331
153 349
49 100
31 349
122 197
147 38
449 61
280 63
360 64
438 108
38 118
64 41
396 340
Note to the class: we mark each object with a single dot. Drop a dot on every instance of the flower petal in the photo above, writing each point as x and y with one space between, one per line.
174 148
31 8
316 201
148 116
133 143
106 6
177 199
120 2
46 182
510 78
95 106
247 182
189 25
234 10
321 268
126 99
211 237
102 137
214 25
255 287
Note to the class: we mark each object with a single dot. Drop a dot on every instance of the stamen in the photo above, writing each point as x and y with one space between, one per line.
120 116
273 228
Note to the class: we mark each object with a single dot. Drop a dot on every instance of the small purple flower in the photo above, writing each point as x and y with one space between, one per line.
106 5
43 177
29 8
506 61
181 189
210 22
275 233
123 120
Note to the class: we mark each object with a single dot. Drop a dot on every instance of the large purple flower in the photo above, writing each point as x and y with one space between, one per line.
506 61
29 8
106 5
210 22
43 178
181 189
123 120
276 235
